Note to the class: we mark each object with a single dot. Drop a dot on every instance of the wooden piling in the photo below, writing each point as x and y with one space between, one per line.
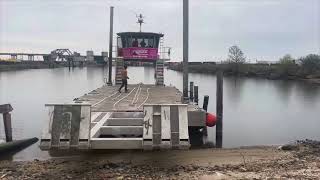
185 49
196 95
7 126
219 106
191 91
110 47
205 107
205 103
5 110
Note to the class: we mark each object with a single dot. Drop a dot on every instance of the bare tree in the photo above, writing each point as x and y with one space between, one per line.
236 55
310 63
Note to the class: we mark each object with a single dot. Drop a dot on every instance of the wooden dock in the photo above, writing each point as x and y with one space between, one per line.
108 99
146 117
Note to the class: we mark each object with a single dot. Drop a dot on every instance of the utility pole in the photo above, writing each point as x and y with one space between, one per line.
110 47
185 48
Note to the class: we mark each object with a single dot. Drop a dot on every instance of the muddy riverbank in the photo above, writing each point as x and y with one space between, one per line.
301 162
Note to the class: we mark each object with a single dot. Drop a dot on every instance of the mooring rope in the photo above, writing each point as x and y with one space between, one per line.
135 96
145 99
104 99
117 97
114 105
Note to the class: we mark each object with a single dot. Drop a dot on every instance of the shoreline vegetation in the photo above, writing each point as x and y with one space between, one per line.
287 68
270 72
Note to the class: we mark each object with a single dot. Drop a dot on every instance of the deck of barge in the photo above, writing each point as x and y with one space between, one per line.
108 99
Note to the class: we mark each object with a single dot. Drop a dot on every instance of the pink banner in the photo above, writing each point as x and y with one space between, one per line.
140 53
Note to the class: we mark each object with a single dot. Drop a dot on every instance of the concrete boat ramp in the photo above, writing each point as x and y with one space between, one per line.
146 117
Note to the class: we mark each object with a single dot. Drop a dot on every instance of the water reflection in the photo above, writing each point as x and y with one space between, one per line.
284 89
308 93
256 111
233 87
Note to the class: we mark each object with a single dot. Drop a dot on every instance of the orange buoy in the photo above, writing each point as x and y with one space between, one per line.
211 120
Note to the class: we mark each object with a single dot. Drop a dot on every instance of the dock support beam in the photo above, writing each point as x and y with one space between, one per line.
7 126
185 48
5 110
219 130
110 47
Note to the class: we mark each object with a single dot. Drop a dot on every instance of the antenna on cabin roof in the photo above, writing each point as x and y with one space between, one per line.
140 20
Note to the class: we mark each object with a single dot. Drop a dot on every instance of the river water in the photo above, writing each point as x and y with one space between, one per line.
256 111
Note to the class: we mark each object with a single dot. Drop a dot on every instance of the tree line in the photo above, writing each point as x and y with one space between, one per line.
287 65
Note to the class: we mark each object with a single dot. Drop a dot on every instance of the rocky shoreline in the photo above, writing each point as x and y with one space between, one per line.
297 161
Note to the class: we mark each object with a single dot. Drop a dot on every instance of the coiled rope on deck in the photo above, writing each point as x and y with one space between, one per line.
104 99
114 105
145 99
135 96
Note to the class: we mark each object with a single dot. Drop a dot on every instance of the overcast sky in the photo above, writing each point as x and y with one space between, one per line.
263 29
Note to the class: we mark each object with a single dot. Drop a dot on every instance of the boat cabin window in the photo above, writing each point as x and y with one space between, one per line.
138 41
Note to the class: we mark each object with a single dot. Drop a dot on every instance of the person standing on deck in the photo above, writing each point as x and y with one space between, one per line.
124 75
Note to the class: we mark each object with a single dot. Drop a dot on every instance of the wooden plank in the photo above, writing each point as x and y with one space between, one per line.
84 129
56 125
174 124
67 117
124 122
183 122
116 143
98 118
46 132
147 122
165 123
95 130
121 130
75 125
95 115
45 143
156 127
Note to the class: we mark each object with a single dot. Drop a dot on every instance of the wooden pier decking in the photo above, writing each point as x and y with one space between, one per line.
108 99
145 117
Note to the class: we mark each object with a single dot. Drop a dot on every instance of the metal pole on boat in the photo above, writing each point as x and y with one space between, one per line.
110 47
219 106
185 48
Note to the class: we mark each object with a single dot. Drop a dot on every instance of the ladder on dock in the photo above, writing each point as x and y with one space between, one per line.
119 69
159 72
159 126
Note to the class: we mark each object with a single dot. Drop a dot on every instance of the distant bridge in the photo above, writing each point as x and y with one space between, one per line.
55 55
